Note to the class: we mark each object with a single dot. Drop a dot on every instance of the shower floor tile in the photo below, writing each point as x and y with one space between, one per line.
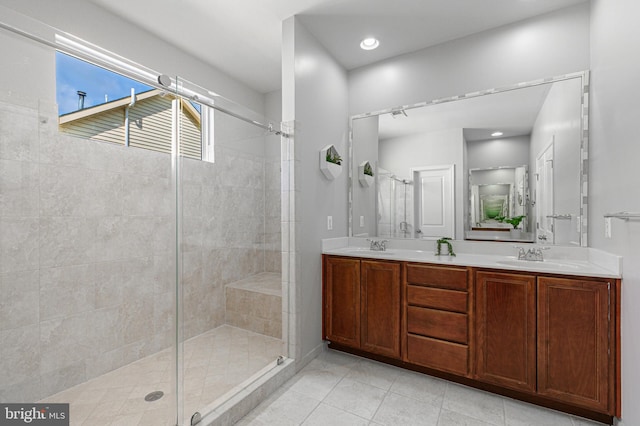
214 363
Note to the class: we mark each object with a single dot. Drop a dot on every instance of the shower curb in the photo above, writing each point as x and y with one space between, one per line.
240 404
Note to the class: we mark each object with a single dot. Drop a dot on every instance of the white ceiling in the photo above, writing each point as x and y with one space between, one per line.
243 37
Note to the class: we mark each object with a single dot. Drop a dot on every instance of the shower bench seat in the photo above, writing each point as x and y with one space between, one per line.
255 304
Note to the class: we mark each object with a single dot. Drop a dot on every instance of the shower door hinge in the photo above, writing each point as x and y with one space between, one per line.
280 360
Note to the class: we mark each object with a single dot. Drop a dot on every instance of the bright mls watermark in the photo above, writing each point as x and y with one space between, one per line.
34 414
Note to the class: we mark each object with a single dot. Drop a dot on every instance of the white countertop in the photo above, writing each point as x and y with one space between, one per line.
580 261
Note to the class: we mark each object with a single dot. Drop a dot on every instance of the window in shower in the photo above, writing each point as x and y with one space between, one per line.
96 103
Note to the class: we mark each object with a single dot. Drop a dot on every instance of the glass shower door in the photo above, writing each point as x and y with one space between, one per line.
230 286
87 246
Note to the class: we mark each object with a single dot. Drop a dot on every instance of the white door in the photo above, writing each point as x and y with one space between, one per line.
544 196
435 209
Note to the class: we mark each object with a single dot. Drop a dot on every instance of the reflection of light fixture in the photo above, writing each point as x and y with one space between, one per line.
495 134
398 112
369 43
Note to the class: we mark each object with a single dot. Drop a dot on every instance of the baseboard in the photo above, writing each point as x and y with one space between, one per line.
310 356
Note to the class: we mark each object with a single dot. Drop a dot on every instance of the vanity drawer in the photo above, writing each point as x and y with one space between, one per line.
439 324
437 276
438 298
438 354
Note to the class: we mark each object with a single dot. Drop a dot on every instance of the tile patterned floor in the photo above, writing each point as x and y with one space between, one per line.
214 363
339 389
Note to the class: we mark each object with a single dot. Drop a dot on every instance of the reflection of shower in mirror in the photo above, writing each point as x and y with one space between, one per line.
395 206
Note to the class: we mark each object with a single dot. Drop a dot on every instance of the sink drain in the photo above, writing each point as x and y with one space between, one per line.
154 396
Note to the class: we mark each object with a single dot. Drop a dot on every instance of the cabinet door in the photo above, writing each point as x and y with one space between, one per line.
506 330
342 301
573 341
380 308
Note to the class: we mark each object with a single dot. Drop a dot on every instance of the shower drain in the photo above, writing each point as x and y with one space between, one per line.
154 396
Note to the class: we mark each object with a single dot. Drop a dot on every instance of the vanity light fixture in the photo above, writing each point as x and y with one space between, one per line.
369 43
496 134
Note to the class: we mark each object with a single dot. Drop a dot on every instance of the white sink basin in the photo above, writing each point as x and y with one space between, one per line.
546 264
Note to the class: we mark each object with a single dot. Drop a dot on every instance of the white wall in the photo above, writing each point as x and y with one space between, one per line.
512 152
614 154
98 26
440 148
552 44
365 137
29 67
315 98
492 177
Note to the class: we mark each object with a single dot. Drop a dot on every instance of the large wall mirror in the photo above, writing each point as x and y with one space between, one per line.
506 164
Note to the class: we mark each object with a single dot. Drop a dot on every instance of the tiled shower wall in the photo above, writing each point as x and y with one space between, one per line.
86 248
273 217
225 234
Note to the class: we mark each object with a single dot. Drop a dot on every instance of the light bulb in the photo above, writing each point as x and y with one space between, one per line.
369 43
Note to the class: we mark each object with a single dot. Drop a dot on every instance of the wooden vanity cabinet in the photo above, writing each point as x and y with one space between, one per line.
380 308
550 340
548 336
341 307
437 317
576 335
362 304
506 329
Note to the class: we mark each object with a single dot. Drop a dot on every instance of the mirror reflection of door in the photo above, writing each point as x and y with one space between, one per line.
435 207
544 196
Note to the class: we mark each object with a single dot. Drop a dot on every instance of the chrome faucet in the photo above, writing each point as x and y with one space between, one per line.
445 240
378 245
533 254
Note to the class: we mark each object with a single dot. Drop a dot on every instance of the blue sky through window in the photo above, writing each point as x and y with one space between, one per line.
99 84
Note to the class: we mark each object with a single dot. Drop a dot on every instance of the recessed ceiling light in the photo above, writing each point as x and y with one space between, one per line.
494 134
369 43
